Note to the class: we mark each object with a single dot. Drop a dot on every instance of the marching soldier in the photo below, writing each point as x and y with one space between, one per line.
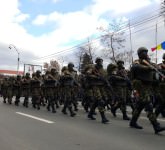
96 78
67 83
160 108
36 91
51 83
118 79
142 74
74 89
17 89
26 89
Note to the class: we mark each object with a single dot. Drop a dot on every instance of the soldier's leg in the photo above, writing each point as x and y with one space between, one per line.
26 101
93 105
123 109
152 117
72 114
135 115
17 100
49 103
101 107
52 105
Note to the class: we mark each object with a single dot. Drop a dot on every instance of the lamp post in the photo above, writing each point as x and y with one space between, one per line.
13 46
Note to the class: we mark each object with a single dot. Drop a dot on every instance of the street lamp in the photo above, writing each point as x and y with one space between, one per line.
13 46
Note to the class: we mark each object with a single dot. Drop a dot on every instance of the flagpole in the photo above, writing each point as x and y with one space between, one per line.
156 32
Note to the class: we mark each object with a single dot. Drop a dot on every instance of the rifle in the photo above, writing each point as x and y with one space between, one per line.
154 68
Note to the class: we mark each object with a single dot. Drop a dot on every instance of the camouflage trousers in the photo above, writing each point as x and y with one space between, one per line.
144 100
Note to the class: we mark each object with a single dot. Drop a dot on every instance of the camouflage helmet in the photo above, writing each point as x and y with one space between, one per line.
53 69
64 68
98 59
120 62
70 64
38 72
163 56
27 74
141 49
111 68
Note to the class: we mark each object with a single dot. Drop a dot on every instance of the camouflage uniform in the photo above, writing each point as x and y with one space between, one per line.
67 83
160 107
96 79
25 84
17 89
51 83
142 75
74 88
36 91
119 85
4 88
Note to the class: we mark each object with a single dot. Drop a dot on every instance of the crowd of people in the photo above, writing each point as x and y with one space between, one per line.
113 88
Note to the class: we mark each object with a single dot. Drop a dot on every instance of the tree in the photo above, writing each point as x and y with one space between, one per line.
85 52
86 60
113 41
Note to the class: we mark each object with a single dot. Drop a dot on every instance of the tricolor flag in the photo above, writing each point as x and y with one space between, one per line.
159 47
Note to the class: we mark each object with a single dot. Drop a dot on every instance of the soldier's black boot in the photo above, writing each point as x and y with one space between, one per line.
72 114
133 124
104 119
64 110
4 101
53 109
16 103
48 107
113 111
90 115
158 128
125 117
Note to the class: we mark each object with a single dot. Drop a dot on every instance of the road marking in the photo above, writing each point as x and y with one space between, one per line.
33 117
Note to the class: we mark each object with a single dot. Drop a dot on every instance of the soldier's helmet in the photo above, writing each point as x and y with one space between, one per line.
27 74
98 59
141 50
110 68
70 64
120 62
38 72
163 56
53 70
18 76
64 68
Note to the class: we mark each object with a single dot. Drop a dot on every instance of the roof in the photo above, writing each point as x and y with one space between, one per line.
11 72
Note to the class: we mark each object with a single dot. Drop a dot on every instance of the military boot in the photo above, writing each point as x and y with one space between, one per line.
104 119
125 117
158 128
72 114
53 109
133 124
113 111
64 110
90 116
48 107
4 101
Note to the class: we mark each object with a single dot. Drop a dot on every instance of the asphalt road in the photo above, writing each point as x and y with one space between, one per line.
30 129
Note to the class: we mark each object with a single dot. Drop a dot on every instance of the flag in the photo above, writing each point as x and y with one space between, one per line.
159 47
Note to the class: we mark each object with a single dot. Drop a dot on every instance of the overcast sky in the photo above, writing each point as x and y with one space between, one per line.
39 28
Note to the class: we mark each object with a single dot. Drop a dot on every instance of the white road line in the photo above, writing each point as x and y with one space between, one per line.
33 117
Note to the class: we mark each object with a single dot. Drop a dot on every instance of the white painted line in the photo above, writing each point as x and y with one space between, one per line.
33 117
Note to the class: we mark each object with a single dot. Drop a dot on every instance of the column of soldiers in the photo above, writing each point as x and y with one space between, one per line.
142 87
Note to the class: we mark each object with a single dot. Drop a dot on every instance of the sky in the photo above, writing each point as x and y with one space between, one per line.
39 28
